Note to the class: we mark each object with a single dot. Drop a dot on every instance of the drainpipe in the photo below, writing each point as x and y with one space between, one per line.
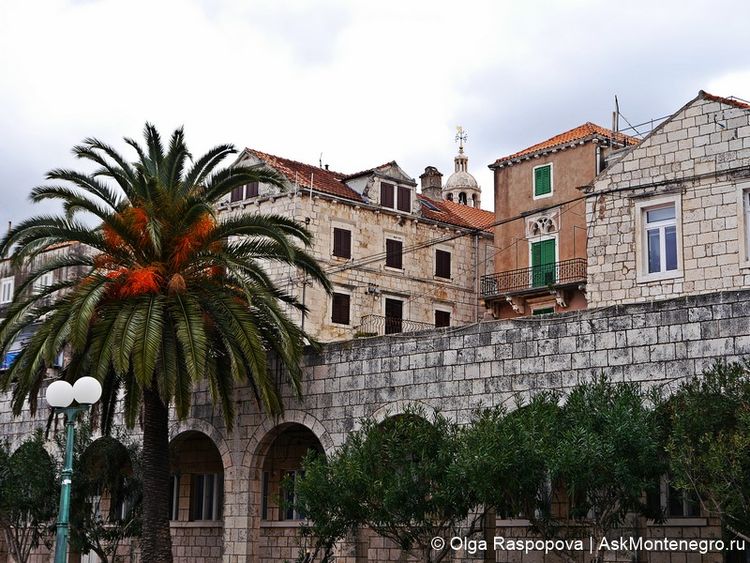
476 272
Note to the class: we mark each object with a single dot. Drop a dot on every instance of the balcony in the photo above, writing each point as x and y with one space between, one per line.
378 325
535 279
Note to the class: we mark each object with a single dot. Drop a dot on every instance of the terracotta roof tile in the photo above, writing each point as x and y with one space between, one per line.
325 181
457 214
729 101
580 133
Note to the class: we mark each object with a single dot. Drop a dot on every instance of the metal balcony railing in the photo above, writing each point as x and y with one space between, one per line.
525 280
378 325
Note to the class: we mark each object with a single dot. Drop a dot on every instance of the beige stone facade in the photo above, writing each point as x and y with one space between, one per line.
695 169
426 228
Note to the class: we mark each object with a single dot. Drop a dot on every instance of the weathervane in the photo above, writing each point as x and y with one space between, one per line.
461 137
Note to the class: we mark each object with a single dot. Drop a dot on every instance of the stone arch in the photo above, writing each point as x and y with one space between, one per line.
462 198
270 428
197 425
400 407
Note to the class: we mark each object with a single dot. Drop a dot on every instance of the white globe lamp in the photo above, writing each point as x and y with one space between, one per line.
87 391
59 394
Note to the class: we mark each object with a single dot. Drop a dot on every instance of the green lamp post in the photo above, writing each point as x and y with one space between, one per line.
60 395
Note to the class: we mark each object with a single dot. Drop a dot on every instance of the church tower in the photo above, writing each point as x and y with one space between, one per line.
461 186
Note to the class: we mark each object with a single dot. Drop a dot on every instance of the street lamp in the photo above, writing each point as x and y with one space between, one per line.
60 396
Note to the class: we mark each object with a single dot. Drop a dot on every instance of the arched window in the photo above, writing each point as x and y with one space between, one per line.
450 197
542 225
462 198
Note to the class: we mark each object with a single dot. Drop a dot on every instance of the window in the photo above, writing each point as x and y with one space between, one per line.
6 290
663 497
237 194
543 311
174 497
746 221
542 181
394 253
340 304
442 318
660 243
264 495
443 264
462 198
386 195
251 189
450 197
290 511
206 496
342 243
404 199
394 315
543 256
42 282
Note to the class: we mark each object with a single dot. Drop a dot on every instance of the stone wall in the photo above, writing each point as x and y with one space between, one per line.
698 159
455 370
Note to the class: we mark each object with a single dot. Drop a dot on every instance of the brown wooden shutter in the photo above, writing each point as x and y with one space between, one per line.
340 308
251 189
393 253
404 199
394 315
386 195
442 319
342 243
238 193
442 264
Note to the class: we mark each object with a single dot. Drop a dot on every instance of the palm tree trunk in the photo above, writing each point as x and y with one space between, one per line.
156 543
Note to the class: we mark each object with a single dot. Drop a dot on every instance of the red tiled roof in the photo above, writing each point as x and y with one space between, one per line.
458 214
580 133
326 181
729 101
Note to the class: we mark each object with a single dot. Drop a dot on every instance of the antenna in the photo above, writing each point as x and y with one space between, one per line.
616 116
320 161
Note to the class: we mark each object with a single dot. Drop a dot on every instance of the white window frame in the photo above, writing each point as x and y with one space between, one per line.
329 317
42 282
215 500
551 181
641 246
404 305
743 224
5 283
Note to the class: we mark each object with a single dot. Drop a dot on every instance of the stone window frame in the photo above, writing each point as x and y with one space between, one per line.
743 223
449 250
338 224
541 238
396 297
397 237
641 255
551 181
329 316
552 217
443 309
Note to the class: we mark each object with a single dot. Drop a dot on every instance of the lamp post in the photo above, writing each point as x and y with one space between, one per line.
60 395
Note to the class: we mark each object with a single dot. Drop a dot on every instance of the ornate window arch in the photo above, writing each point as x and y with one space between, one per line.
541 225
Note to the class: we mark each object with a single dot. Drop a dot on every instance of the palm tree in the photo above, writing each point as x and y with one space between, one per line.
167 295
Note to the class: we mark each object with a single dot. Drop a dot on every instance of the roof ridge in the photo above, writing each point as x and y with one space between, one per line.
342 174
585 129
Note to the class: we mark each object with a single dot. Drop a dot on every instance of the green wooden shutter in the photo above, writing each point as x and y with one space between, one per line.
542 180
543 263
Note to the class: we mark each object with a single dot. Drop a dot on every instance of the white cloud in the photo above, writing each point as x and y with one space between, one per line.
361 82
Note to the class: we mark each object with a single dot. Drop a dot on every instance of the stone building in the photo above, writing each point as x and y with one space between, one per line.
540 258
670 217
398 260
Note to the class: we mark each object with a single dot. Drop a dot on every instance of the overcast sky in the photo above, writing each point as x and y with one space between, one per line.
360 82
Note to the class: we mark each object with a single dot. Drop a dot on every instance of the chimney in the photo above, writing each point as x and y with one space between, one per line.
432 183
